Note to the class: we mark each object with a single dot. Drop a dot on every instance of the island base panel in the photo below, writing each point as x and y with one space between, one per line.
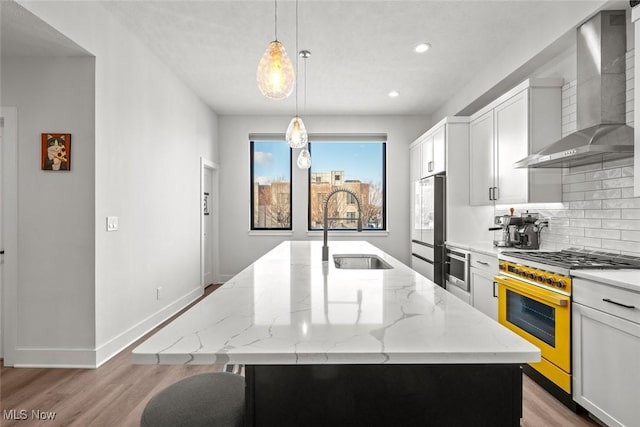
384 395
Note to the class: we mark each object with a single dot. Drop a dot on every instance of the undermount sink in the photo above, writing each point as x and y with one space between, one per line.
360 262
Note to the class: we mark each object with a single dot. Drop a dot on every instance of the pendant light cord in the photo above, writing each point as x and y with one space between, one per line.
275 18
297 57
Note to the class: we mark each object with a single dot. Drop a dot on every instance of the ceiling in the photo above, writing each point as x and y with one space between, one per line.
361 50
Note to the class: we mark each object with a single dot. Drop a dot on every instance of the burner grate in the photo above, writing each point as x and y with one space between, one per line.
573 258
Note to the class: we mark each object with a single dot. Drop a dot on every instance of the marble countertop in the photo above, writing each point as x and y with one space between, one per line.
627 279
483 246
291 308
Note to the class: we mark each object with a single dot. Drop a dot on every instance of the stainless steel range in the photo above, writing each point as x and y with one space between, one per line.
534 301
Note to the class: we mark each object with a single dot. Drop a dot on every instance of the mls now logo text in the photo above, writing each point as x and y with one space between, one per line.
23 414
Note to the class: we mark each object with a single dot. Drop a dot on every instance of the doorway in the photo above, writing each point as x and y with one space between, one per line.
208 223
8 232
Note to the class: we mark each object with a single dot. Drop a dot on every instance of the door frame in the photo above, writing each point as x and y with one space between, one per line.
213 217
9 288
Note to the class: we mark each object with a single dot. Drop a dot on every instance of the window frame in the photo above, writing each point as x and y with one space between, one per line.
252 225
377 139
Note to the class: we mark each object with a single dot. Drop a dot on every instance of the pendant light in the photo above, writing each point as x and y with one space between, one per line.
296 134
304 158
275 75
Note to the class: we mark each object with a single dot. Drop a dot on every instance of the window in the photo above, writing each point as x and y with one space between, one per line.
356 164
270 185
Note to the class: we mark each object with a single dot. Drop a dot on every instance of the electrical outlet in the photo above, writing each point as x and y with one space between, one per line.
112 223
159 292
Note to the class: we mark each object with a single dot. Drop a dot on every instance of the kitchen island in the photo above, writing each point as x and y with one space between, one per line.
329 346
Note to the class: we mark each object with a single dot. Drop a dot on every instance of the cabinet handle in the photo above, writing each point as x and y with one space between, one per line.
618 303
495 293
490 190
430 166
496 193
482 262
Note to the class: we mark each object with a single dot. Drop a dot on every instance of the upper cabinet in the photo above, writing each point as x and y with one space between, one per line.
433 152
521 122
431 149
446 145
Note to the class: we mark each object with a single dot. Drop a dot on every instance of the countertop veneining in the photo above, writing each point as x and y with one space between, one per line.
291 308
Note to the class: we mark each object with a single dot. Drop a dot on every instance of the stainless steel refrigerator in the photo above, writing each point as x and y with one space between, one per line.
428 228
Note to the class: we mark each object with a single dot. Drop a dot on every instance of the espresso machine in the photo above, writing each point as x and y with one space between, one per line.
527 234
508 224
522 232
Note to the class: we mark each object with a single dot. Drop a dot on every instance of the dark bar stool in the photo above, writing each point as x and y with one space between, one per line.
211 399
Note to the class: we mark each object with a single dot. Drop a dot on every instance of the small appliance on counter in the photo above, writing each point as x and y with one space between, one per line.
527 234
522 232
508 224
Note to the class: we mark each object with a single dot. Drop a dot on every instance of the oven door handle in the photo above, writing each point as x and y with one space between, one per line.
527 290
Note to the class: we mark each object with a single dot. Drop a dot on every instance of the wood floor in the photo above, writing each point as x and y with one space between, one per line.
115 394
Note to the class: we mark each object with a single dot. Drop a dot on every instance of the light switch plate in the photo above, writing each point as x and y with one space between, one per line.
112 223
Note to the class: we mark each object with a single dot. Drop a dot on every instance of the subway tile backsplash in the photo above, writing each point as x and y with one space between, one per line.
598 209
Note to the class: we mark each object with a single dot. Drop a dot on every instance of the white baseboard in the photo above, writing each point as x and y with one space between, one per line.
55 358
114 346
94 358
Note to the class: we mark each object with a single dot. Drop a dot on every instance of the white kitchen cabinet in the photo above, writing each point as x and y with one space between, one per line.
428 152
606 352
433 152
481 159
451 134
484 294
521 122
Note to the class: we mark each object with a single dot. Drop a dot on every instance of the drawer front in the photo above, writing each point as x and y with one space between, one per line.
608 299
423 267
484 262
422 250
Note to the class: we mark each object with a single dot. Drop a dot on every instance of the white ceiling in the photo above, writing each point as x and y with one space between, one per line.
361 50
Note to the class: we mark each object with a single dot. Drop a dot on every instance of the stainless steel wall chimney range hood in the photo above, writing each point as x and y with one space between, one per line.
601 99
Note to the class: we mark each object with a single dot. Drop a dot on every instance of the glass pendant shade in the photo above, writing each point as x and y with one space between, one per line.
276 77
304 159
296 134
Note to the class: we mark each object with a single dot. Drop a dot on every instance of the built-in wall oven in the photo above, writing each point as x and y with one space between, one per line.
534 301
457 273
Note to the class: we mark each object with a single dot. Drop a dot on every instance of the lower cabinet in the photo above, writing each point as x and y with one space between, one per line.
484 295
483 292
606 352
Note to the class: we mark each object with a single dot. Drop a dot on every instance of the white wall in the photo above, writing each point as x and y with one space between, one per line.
240 248
56 255
516 63
150 132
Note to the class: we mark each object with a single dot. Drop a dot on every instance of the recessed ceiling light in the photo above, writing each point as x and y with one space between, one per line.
422 47
394 94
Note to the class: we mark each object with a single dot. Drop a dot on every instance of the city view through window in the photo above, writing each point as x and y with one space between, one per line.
271 185
356 166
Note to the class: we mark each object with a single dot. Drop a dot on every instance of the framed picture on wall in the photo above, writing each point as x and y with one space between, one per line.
56 151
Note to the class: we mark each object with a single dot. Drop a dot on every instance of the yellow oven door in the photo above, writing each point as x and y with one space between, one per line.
539 315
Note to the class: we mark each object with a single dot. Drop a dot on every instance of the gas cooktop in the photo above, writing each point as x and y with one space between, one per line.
573 258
